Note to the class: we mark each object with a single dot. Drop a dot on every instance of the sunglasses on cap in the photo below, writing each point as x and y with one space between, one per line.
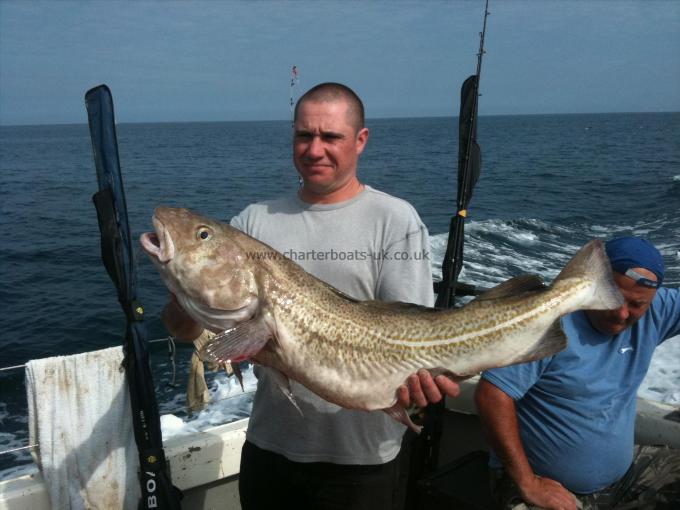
641 280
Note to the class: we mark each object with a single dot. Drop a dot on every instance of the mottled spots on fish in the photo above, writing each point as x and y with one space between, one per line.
356 354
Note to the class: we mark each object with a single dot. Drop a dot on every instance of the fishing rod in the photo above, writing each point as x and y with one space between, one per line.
294 80
469 167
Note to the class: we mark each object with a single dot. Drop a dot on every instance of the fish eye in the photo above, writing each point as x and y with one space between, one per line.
204 233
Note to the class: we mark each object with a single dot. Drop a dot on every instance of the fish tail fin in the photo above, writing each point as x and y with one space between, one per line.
592 264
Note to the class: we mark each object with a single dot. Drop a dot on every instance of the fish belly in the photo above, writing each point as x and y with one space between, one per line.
350 385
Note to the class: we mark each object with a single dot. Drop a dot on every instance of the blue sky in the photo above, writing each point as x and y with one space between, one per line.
216 61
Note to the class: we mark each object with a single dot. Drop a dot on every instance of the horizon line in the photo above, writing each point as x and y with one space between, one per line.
367 119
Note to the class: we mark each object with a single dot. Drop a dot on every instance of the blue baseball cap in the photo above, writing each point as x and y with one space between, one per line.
625 253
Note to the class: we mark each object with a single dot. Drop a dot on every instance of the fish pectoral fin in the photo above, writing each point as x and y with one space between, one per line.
399 413
513 287
238 343
284 385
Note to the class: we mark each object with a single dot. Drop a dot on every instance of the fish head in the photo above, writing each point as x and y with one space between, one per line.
201 261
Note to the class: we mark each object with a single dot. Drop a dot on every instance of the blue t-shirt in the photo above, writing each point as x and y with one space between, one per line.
576 409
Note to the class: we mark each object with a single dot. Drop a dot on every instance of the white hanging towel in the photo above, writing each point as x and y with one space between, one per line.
79 414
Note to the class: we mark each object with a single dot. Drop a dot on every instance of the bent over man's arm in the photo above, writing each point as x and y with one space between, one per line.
499 420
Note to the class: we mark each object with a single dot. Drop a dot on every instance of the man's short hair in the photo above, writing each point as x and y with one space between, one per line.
329 92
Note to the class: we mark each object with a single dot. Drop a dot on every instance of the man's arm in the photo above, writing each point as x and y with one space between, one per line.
666 309
498 416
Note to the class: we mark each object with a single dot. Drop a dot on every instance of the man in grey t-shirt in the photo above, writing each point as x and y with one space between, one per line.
369 245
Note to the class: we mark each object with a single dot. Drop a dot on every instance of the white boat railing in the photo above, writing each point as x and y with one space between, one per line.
168 339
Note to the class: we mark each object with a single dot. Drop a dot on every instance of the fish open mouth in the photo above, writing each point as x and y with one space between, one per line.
158 244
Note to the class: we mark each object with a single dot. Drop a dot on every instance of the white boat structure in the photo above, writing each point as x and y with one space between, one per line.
205 464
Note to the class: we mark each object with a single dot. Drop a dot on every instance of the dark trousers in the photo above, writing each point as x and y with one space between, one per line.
269 480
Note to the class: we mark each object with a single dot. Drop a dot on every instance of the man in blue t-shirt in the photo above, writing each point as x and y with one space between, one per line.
562 428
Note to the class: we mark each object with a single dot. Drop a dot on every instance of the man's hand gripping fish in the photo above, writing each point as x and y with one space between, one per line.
352 353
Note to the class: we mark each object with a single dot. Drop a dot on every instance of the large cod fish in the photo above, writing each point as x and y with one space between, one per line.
356 354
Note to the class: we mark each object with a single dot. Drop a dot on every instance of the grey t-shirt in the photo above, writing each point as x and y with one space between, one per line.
373 246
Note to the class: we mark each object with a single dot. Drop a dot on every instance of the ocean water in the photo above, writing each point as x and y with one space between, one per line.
549 184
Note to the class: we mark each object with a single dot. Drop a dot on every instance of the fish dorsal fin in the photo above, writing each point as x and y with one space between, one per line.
513 287
387 306
397 306
341 294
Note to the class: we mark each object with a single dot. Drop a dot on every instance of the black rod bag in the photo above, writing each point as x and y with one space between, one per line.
469 167
117 255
